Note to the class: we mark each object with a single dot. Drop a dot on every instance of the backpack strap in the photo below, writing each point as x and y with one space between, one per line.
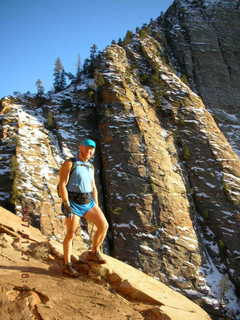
74 165
73 160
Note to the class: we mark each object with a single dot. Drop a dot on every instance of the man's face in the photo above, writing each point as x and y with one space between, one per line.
86 152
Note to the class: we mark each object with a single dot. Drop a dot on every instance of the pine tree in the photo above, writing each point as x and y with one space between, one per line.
79 72
90 65
93 60
93 52
63 82
120 42
160 18
128 37
59 76
143 33
40 87
86 66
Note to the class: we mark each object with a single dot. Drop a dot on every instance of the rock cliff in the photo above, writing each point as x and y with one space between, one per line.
203 37
163 108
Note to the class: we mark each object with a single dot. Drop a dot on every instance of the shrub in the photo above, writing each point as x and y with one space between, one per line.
186 152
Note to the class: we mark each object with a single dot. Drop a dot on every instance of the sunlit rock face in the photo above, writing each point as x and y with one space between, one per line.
163 109
36 139
31 267
172 177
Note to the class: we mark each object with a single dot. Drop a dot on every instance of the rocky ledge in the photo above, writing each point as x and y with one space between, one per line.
33 287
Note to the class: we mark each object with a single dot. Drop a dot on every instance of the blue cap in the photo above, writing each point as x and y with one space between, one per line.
88 142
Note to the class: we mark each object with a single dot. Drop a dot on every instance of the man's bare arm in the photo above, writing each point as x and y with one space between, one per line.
64 177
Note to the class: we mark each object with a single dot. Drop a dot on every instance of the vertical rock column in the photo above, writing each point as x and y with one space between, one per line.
146 196
8 140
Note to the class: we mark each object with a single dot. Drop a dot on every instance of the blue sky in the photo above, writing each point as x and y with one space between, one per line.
35 32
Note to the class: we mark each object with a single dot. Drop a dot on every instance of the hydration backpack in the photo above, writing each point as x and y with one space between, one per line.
73 160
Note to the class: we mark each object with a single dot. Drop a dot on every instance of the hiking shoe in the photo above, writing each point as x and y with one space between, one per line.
70 271
95 257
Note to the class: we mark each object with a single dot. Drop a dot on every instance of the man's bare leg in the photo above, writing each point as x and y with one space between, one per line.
71 225
96 216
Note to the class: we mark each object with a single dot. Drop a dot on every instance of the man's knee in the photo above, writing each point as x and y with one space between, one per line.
97 217
70 234
106 225
103 226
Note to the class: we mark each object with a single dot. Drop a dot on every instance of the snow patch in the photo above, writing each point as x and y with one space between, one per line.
146 248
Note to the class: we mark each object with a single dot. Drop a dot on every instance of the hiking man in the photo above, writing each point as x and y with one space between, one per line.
79 195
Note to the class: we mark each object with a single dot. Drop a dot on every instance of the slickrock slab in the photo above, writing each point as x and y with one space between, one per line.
132 284
138 286
19 226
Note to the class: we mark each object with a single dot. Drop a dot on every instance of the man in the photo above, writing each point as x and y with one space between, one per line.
80 199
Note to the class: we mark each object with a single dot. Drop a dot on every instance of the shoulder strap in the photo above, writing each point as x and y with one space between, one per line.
91 165
73 160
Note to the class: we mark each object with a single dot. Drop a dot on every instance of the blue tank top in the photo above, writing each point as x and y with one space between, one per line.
81 178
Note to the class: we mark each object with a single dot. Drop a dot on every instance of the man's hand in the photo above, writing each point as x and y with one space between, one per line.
66 209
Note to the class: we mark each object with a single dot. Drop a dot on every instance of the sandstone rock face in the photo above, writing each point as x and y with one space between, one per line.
163 108
175 212
36 142
32 286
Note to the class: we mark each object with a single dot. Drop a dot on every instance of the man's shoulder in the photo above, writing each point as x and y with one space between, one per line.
70 160
73 159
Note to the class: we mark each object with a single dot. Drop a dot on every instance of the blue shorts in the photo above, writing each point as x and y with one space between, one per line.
81 209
